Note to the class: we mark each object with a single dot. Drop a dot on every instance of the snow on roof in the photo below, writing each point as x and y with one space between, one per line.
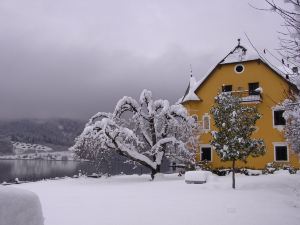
242 54
190 91
283 69
289 74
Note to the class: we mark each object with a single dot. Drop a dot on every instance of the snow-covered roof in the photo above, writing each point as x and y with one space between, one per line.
288 73
242 54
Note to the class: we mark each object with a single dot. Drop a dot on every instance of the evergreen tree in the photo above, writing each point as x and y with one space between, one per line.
235 123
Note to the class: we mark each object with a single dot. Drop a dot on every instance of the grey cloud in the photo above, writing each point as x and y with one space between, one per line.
73 58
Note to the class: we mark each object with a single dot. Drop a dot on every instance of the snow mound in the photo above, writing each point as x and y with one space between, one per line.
196 177
282 172
19 207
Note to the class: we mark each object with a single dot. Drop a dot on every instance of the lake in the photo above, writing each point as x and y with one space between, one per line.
39 169
32 170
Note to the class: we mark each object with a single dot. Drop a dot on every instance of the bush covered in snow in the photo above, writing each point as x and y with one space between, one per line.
19 207
272 167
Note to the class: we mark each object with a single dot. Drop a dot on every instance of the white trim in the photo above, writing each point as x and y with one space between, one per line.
211 151
207 116
237 66
278 127
278 144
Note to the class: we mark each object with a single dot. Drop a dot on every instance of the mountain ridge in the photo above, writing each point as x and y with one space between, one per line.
57 131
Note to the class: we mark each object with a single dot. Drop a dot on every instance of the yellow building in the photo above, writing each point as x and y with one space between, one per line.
256 82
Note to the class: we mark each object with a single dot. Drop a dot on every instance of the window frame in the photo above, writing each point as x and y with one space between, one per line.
253 92
226 85
279 127
281 144
236 66
211 152
206 115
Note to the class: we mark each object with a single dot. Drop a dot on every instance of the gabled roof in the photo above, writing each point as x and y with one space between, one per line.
241 54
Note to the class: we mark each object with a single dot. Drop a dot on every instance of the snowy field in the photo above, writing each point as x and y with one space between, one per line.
134 200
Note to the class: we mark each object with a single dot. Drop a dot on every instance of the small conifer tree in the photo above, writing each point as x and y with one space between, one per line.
235 124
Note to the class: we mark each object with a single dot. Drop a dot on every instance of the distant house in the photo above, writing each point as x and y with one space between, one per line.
256 82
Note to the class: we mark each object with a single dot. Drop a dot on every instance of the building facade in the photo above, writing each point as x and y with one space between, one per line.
256 83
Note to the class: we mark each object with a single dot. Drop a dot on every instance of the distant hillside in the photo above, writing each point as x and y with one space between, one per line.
60 132
6 146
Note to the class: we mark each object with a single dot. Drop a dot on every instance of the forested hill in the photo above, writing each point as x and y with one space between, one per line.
51 131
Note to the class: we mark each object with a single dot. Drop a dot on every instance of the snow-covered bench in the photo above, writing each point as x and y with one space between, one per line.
196 177
19 207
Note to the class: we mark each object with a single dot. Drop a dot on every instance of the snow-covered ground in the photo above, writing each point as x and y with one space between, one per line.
134 200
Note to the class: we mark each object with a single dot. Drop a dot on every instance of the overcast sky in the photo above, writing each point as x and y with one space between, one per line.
73 58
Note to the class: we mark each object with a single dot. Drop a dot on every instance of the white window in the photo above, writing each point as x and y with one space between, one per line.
278 119
206 122
206 152
281 152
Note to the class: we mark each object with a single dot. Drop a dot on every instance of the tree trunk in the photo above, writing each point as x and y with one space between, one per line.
155 171
233 174
152 131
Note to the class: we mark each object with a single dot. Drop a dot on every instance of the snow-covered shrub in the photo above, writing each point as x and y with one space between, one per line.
252 172
144 131
235 123
19 207
205 165
292 170
221 171
272 167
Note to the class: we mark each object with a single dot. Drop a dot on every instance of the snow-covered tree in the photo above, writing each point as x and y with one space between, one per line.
292 117
235 124
144 131
289 10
